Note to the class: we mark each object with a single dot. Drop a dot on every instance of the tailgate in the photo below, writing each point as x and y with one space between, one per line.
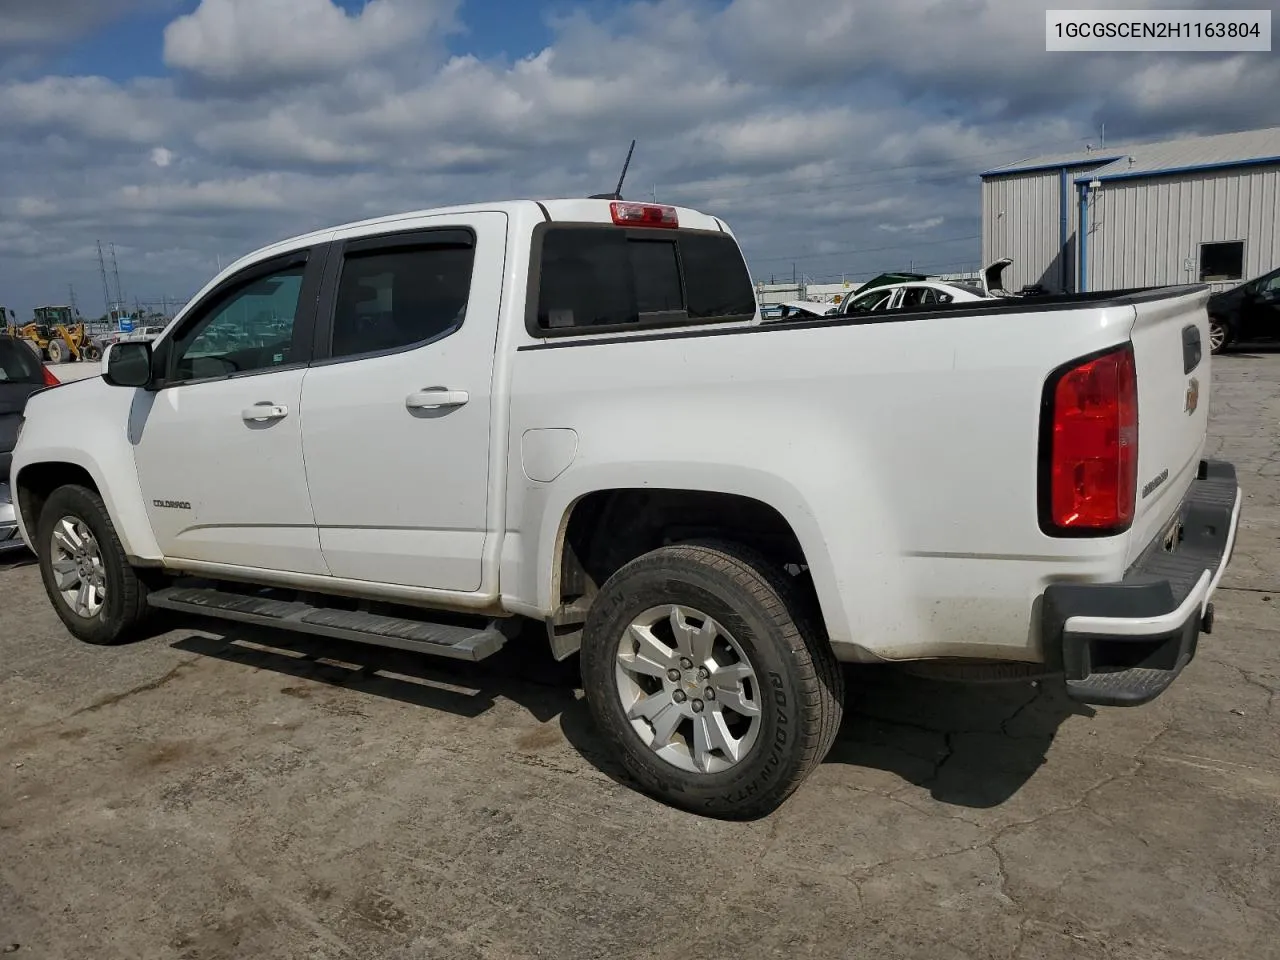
1171 353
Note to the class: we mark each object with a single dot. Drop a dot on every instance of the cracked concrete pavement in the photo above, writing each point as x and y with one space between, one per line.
220 792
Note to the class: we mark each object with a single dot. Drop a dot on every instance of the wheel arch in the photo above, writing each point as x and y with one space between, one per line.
35 481
615 519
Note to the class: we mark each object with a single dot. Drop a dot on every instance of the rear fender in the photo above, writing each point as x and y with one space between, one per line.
554 503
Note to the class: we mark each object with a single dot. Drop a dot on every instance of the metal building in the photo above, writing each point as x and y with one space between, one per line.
1202 209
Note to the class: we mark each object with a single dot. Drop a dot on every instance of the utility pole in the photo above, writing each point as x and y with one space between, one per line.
106 290
1102 137
75 311
655 193
116 268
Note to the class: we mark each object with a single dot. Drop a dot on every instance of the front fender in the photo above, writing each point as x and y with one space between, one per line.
85 426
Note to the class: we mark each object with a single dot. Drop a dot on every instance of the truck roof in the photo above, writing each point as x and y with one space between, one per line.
576 210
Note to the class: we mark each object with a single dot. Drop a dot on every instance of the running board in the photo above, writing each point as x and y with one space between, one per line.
419 636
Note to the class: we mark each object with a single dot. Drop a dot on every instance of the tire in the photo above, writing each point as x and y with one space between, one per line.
91 353
1219 335
122 601
57 351
759 618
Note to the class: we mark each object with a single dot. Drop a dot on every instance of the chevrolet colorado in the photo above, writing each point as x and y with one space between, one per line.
425 430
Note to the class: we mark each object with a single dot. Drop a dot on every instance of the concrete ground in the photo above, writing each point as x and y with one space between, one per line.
210 794
67 372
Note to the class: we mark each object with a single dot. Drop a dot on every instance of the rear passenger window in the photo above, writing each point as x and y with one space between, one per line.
398 297
592 277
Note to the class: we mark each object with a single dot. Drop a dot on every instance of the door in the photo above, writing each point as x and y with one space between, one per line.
218 446
1260 309
395 418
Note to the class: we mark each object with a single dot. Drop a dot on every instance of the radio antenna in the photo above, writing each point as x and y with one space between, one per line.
617 193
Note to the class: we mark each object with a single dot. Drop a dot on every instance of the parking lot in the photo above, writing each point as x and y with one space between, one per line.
225 792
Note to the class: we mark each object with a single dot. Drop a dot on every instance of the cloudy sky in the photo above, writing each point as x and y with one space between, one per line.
841 136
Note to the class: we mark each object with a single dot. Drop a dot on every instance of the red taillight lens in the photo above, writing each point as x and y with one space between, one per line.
643 214
1093 453
49 379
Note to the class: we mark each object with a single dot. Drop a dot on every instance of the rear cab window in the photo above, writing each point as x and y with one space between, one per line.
603 278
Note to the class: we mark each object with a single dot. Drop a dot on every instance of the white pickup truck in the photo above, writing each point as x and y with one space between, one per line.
428 430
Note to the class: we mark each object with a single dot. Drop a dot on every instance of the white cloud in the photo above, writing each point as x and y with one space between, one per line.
90 108
259 41
913 227
162 156
255 194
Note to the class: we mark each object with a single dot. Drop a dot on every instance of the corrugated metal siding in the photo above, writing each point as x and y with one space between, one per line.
1030 229
1142 231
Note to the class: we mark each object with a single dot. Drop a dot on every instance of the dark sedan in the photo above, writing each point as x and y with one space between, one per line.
1248 313
21 374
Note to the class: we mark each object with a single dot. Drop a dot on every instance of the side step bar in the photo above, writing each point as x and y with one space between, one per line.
419 636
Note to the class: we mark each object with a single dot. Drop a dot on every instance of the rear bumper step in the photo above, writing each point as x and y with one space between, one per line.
1124 643
420 636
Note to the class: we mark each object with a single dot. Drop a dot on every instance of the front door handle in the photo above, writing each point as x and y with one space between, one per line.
264 410
436 398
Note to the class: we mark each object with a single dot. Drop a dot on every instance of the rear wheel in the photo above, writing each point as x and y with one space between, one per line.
84 568
1219 335
703 672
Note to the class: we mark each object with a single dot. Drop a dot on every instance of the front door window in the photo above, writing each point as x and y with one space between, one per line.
249 329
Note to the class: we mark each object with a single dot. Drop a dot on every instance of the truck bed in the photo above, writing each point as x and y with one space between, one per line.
912 439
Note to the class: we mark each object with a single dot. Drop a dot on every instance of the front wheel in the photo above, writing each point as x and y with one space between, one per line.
1219 335
702 671
84 568
57 351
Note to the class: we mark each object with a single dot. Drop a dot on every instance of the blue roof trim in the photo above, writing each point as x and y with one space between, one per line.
1192 168
1041 167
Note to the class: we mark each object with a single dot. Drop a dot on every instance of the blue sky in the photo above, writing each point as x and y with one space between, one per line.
839 136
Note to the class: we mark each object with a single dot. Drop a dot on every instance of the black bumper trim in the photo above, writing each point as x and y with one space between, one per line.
1131 667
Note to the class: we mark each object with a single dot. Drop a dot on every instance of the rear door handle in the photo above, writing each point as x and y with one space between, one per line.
265 410
435 399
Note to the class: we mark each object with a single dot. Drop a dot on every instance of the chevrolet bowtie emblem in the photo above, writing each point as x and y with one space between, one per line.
1193 396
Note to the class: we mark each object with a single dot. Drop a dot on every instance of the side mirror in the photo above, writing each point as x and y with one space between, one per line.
128 364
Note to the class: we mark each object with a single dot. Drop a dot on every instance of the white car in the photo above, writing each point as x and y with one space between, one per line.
432 430
924 293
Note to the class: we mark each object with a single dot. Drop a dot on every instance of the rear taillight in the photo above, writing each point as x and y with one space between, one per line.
643 214
49 379
1089 439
